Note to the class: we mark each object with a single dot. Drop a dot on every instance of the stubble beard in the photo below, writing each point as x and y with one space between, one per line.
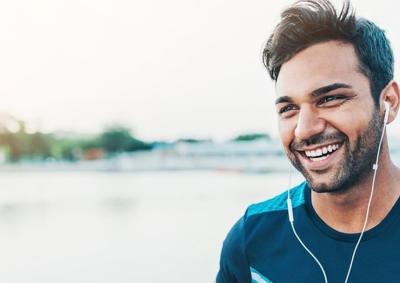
354 167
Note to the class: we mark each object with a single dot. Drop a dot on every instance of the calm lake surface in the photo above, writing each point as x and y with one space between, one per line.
86 227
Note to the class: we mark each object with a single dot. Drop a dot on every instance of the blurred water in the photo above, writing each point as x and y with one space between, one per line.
121 227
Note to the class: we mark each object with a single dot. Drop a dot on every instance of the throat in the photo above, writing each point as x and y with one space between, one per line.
346 212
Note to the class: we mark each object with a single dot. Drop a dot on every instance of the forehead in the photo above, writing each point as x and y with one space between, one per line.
319 65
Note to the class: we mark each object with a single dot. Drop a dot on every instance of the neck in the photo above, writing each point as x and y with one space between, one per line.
346 212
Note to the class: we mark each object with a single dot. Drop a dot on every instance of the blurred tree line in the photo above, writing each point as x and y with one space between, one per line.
22 145
251 137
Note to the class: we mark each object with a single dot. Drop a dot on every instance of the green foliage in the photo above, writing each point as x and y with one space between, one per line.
115 140
25 145
21 145
251 137
67 148
118 139
191 140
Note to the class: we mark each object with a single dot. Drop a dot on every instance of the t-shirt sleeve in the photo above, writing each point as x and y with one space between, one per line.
234 267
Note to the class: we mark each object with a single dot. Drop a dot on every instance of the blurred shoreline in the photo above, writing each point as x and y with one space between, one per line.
260 155
151 163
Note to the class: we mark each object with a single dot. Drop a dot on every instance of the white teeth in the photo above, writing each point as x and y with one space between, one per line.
316 154
319 158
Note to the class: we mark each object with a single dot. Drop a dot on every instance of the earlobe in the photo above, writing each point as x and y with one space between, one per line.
391 96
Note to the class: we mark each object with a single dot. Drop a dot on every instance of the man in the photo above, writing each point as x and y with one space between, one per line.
333 72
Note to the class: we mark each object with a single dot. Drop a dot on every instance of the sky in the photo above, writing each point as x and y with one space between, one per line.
166 69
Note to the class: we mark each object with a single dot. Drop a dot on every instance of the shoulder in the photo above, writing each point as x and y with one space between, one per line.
268 209
278 203
257 222
233 260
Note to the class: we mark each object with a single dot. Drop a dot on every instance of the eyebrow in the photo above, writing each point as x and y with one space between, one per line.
315 93
329 88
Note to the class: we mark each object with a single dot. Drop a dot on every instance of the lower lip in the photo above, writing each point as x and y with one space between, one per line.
321 164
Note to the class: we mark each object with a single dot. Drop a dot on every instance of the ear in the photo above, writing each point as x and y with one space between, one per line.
391 94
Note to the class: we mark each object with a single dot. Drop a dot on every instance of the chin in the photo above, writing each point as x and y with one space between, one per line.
337 179
337 183
320 186
333 180
324 187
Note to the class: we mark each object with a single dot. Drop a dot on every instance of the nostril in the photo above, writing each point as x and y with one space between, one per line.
309 127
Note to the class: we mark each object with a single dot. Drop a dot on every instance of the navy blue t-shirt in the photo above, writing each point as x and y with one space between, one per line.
261 246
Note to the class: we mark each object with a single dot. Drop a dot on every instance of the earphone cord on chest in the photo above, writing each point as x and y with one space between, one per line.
291 216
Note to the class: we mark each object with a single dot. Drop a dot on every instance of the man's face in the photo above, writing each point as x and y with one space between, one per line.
328 123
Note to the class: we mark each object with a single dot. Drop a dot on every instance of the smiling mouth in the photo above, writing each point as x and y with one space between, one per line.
320 153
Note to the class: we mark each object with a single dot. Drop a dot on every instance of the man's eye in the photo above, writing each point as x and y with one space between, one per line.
286 108
332 99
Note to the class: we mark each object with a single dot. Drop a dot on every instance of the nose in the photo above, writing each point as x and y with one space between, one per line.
308 123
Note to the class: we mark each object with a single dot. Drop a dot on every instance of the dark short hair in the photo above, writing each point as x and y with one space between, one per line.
308 22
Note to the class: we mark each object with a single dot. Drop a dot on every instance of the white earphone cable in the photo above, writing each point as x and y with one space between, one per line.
375 168
291 220
291 217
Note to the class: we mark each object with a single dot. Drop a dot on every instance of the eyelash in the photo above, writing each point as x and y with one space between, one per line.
335 97
284 109
325 99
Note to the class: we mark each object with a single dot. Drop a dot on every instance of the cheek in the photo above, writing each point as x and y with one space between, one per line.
351 124
286 132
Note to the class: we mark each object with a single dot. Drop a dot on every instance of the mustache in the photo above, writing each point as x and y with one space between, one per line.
318 139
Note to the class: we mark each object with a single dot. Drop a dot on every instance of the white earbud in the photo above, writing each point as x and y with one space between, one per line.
387 110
